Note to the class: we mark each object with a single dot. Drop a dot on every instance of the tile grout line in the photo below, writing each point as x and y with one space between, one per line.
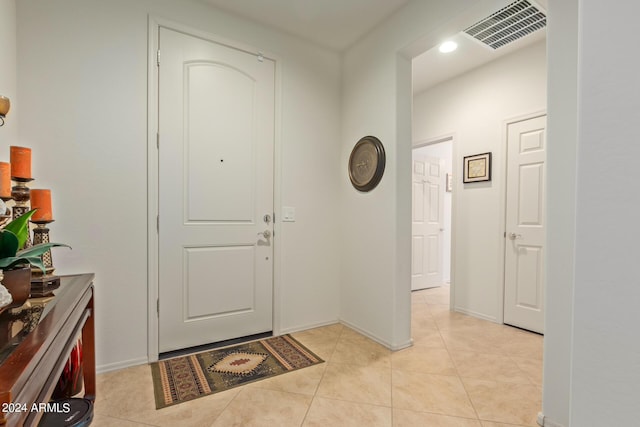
456 367
508 355
128 420
315 392
240 390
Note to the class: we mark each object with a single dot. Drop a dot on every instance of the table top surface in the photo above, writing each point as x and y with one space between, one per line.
17 323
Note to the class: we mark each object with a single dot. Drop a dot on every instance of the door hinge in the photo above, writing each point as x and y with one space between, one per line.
158 140
158 58
158 224
158 307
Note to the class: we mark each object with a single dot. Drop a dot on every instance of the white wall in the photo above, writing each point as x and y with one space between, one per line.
605 385
562 128
8 87
474 107
82 67
591 370
89 143
376 227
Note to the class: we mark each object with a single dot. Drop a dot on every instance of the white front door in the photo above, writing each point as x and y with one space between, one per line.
427 223
216 141
525 224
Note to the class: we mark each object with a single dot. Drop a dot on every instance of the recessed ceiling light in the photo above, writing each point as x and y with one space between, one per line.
448 46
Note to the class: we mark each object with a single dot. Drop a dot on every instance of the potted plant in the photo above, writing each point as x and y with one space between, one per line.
16 262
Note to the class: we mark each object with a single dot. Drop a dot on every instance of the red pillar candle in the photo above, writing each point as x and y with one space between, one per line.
20 162
5 180
41 200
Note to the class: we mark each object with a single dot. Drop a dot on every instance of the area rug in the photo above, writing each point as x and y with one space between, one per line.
189 377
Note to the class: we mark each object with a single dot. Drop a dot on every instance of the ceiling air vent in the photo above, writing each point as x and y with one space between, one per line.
510 23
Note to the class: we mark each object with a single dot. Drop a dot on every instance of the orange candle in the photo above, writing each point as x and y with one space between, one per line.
20 162
41 200
5 180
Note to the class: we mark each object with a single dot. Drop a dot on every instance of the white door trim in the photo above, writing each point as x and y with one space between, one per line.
436 140
502 168
154 24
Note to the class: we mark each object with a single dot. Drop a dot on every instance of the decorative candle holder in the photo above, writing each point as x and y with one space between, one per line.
43 284
5 216
20 193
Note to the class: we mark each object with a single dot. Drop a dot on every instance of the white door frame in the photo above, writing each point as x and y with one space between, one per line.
502 167
456 170
154 24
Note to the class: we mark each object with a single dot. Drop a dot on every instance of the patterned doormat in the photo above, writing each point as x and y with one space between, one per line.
186 378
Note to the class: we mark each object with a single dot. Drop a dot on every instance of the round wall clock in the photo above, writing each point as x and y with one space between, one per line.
366 163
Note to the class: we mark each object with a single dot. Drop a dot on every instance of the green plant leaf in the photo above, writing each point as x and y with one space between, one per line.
32 255
11 262
8 244
20 227
12 240
39 249
36 261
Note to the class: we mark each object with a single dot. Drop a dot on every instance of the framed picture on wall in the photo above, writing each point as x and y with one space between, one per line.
477 168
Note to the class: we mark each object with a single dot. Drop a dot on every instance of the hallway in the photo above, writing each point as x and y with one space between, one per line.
460 372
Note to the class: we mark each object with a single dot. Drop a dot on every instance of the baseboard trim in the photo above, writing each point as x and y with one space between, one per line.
308 326
110 367
546 422
540 419
475 314
392 347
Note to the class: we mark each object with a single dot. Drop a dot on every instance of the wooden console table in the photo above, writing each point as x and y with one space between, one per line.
35 343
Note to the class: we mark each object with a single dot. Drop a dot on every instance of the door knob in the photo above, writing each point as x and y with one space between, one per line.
514 236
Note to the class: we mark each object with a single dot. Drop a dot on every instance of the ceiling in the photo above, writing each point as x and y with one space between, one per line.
433 67
338 24
335 24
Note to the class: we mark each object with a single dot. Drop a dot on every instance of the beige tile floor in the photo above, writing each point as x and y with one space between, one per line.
460 372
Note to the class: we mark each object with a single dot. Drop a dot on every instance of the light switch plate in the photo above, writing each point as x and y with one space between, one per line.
288 214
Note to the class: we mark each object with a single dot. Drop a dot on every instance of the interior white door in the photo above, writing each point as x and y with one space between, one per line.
216 141
427 222
525 224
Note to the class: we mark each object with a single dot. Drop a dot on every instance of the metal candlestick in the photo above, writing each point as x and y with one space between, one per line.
41 235
6 215
42 284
